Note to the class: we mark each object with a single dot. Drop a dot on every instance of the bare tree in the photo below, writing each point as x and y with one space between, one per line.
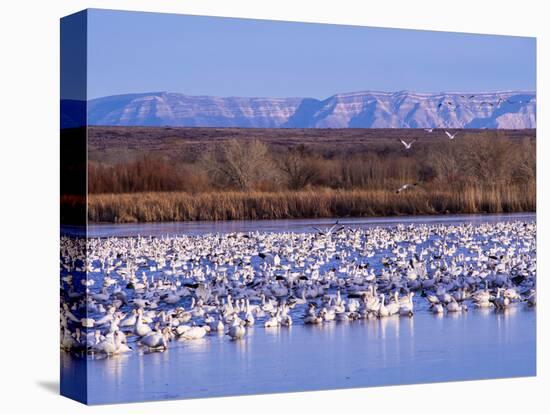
298 168
490 160
446 162
239 163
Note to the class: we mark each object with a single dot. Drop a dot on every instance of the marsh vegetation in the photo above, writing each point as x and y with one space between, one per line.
240 174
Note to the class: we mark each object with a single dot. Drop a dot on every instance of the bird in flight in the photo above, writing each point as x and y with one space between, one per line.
451 136
408 145
331 230
405 187
430 130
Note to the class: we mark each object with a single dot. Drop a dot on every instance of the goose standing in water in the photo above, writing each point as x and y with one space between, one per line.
437 308
237 330
120 343
382 310
273 322
286 319
407 306
394 305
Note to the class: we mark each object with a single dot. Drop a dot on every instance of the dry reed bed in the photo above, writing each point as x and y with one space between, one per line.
182 206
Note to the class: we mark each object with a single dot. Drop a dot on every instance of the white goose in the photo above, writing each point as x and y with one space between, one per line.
141 328
154 341
237 329
451 136
195 332
382 310
408 145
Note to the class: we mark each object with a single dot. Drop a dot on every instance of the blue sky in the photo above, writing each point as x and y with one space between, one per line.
132 52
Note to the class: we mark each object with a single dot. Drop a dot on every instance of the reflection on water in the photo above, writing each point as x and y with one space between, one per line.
425 348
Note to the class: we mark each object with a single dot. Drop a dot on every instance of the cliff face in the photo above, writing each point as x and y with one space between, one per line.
505 110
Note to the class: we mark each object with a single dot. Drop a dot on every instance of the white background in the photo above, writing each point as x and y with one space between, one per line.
29 176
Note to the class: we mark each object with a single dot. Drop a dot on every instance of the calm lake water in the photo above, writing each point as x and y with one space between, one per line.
479 344
297 225
392 351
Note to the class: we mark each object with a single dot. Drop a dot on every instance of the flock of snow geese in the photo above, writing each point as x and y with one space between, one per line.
141 294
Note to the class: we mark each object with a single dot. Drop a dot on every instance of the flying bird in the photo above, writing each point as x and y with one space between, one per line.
430 130
405 187
330 230
408 145
451 136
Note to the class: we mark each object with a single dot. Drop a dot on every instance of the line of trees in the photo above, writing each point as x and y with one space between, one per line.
252 165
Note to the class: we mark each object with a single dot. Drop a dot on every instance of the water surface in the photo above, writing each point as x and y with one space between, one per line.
392 351
297 225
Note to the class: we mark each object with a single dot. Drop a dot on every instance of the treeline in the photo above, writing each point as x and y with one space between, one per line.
252 165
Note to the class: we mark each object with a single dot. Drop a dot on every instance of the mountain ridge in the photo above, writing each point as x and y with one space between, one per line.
364 109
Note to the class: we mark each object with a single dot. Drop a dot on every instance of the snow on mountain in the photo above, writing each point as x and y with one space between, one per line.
503 110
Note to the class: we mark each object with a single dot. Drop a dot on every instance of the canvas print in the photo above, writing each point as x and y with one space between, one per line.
255 206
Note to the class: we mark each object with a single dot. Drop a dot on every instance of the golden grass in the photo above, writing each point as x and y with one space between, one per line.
182 206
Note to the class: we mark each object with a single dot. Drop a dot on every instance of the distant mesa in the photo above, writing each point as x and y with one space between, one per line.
494 110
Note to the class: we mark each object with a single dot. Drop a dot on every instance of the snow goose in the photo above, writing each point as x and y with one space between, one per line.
237 330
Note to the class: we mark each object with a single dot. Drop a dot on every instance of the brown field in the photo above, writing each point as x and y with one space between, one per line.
116 144
175 174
